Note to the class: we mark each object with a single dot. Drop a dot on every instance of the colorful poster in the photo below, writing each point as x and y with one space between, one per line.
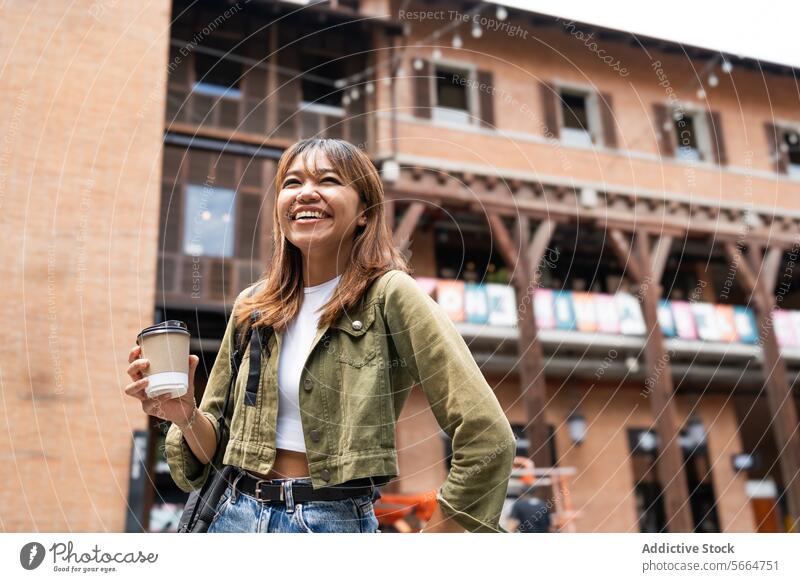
502 304
665 319
565 313
450 295
684 320
476 303
745 323
607 318
428 284
585 312
726 323
784 328
631 321
543 308
705 320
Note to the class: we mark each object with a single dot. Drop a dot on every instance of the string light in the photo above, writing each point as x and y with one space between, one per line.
354 93
369 88
727 67
713 80
501 13
418 64
477 31
701 93
457 43
436 54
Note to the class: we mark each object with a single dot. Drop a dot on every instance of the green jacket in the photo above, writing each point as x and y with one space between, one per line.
357 378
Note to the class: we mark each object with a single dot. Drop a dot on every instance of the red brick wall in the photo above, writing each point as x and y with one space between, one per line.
83 88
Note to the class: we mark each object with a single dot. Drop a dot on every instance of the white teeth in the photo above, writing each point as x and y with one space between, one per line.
308 214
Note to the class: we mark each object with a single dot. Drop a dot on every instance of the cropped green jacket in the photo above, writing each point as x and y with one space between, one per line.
356 379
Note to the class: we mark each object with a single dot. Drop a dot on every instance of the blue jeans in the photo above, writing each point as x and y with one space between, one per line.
238 512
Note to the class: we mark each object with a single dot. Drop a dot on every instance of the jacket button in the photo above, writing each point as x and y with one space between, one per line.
325 474
357 325
315 435
308 384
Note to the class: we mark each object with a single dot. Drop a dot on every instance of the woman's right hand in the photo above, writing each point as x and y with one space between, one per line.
177 410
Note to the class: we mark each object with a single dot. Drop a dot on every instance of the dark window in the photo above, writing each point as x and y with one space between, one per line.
217 72
792 141
574 110
686 131
320 73
451 89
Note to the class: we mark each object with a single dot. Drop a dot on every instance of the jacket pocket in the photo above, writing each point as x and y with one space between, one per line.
357 342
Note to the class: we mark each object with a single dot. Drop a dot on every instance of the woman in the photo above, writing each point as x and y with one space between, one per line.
352 333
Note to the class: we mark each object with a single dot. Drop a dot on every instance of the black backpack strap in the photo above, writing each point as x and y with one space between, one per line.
200 507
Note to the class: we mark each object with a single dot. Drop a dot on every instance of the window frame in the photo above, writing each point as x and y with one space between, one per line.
568 135
439 114
785 126
703 138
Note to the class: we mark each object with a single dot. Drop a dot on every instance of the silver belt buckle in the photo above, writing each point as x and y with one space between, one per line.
258 488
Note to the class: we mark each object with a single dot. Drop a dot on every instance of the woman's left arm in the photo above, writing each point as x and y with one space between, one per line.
464 404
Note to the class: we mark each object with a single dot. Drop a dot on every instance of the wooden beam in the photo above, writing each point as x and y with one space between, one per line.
669 463
541 238
777 385
531 352
660 254
630 263
771 269
508 250
407 224
741 268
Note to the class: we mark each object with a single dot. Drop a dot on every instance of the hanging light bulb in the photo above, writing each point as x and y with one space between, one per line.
576 425
502 13
727 67
400 72
457 43
696 432
476 31
713 80
418 64
354 93
369 88
345 101
701 93
339 83
436 54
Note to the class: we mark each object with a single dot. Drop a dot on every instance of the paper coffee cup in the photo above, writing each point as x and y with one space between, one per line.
166 345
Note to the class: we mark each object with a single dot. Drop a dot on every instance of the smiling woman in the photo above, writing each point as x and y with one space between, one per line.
313 426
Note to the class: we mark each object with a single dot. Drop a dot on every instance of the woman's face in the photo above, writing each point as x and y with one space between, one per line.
325 194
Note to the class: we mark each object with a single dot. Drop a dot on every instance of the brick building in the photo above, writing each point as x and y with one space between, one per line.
625 168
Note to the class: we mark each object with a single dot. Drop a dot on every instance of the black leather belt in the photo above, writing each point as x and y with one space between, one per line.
268 490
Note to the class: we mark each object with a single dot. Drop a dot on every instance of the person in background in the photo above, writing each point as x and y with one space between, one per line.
529 514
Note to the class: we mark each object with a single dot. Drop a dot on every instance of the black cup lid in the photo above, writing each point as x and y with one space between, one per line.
169 326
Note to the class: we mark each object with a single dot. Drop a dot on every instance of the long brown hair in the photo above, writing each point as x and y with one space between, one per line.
373 252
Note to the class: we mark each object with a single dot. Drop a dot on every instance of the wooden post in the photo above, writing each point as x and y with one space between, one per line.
758 279
408 223
642 266
524 259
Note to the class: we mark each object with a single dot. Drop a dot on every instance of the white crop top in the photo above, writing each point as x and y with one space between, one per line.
295 346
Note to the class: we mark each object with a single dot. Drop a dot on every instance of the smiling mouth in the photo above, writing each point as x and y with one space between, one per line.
306 217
